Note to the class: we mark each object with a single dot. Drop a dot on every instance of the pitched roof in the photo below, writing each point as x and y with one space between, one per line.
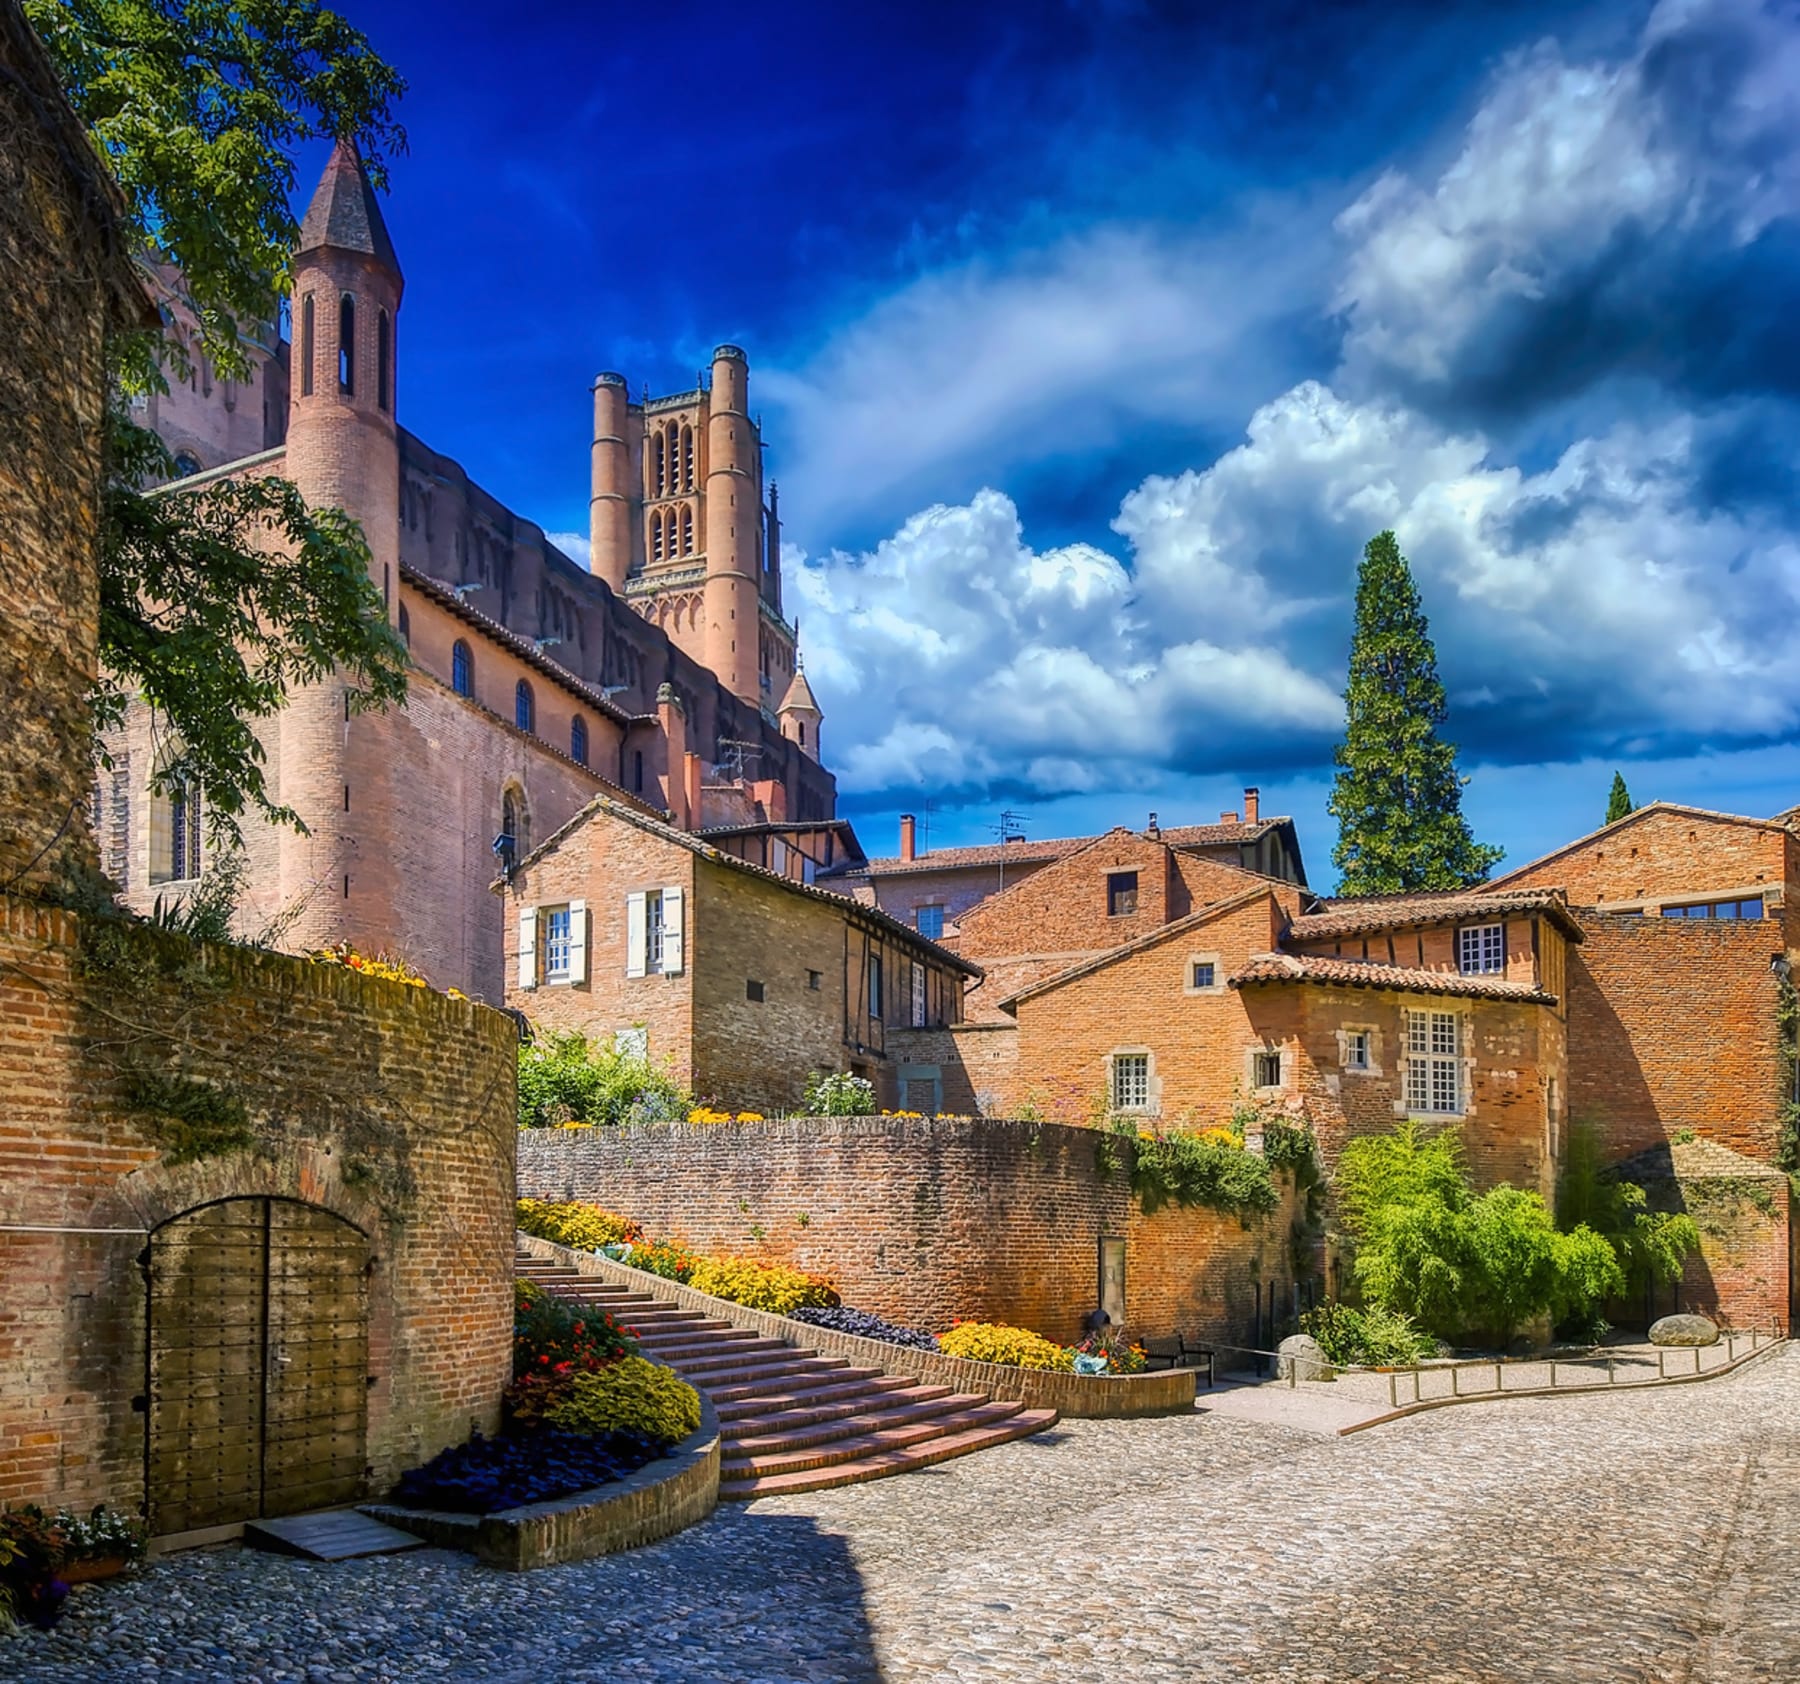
1363 973
1060 847
1368 913
701 849
1779 822
344 213
799 695
1164 932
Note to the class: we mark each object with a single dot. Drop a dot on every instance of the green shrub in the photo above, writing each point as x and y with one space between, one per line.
1015 1347
762 1286
567 1080
583 1227
1212 1169
1650 1245
839 1096
1371 1335
629 1396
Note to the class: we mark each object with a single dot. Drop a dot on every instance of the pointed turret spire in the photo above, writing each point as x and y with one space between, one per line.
344 213
799 697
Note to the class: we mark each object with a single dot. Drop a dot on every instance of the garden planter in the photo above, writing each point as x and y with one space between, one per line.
98 1567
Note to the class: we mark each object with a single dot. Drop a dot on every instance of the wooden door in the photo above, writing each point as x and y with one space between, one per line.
258 1363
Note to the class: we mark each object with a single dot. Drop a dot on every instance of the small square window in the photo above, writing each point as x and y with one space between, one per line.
815 980
1481 950
930 921
753 990
1266 1072
1203 974
1131 1081
1357 1054
1121 893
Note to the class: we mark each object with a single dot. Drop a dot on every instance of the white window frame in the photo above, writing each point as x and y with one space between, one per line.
1436 1081
1352 1038
1481 950
1131 1081
1216 986
655 937
918 995
558 937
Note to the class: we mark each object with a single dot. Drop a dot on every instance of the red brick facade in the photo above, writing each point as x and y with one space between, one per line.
926 1222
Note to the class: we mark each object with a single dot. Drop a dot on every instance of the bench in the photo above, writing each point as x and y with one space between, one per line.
1178 1351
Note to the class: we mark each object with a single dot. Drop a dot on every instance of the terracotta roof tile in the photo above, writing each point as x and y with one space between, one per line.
1367 913
1060 847
1362 973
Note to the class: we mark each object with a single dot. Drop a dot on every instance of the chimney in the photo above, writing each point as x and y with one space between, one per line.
1252 797
1228 818
908 837
1153 831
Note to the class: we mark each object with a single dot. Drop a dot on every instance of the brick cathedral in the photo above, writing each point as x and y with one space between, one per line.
666 676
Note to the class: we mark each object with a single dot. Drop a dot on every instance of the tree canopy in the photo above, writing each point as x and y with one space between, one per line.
1619 804
1398 797
218 600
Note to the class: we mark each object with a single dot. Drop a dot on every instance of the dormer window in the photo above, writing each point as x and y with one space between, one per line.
1481 950
1121 894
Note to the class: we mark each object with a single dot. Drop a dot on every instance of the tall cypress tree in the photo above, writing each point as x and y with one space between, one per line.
1619 804
1397 798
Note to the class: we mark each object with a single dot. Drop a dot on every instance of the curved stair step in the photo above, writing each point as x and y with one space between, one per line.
850 1447
784 1420
835 1390
777 1440
672 1346
742 1354
730 1389
883 1463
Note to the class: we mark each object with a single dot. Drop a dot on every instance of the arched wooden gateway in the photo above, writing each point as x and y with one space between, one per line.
258 1363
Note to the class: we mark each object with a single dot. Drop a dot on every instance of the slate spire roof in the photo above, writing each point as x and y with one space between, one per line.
799 695
344 212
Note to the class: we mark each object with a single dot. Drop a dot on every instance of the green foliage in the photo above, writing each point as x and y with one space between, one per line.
1371 1335
206 914
552 1333
1787 1029
1397 797
1650 1245
761 1286
629 1396
191 1119
1014 1347
215 602
1619 804
1427 1248
568 1079
839 1096
1210 1169
581 1227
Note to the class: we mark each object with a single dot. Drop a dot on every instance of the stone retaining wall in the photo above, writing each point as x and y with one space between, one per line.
1082 1397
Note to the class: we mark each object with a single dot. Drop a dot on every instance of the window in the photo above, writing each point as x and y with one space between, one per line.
658 469
633 1042
175 821
578 747
875 1003
753 990
383 338
556 944
687 531
1481 951
1203 974
1265 1069
523 712
930 921
347 345
687 459
653 932
1434 1081
815 980
306 346
656 536
1131 1081
462 669
1121 893
405 626
918 996
1717 909
1358 1053
186 463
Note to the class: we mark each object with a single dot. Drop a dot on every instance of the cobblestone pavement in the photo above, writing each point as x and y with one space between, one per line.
1648 1537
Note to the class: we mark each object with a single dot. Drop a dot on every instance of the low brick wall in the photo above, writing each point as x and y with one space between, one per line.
655 1502
1079 1396
927 1221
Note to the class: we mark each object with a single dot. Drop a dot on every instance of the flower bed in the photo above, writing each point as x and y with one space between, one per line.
42 1553
865 1326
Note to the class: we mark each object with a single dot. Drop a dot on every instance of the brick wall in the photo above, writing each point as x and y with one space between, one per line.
348 1080
1671 1026
925 1221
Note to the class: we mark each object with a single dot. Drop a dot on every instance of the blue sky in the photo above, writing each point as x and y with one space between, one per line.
1093 340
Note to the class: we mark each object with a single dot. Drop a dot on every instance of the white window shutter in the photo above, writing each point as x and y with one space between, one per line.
528 921
672 930
578 923
637 933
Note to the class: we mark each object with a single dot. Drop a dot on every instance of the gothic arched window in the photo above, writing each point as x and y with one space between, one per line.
306 346
658 466
687 531
687 458
462 669
347 344
405 626
578 747
175 819
384 345
523 712
656 536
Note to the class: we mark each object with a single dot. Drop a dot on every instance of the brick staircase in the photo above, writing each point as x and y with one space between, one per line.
790 1419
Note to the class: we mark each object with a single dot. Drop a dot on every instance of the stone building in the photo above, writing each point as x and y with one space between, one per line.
745 981
537 683
255 1213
